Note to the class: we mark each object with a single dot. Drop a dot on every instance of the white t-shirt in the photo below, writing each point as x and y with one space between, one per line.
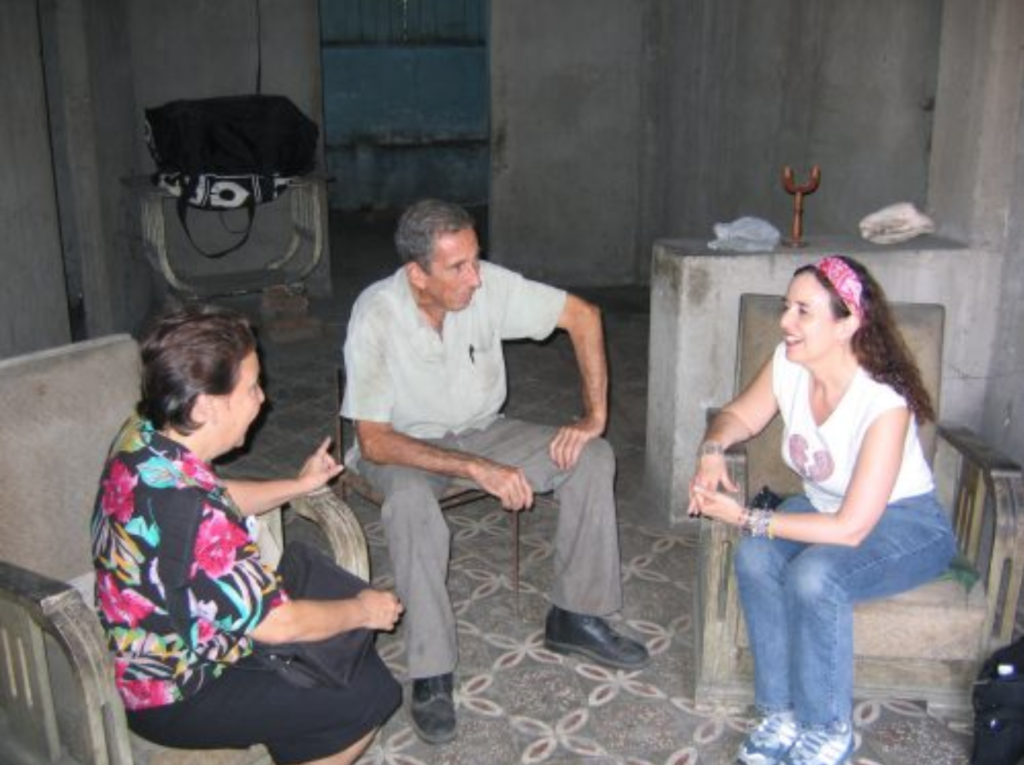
401 371
825 456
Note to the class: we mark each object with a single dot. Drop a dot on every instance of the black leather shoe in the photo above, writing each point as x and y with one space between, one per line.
432 710
592 637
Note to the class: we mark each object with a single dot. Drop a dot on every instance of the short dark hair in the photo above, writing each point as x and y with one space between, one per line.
194 350
422 223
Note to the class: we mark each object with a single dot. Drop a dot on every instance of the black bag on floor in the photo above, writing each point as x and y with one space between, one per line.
998 699
230 152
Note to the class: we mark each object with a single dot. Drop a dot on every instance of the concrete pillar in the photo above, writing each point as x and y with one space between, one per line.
977 117
976 190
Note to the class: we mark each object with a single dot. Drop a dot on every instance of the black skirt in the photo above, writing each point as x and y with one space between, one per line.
250 705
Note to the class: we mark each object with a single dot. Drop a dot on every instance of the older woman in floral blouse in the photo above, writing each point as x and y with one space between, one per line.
163 517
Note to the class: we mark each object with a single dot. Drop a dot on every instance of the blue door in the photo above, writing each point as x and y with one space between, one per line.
405 101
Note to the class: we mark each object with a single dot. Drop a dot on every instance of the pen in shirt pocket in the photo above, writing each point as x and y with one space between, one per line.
472 354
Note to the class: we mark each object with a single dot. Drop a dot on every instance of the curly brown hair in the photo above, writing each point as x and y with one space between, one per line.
877 343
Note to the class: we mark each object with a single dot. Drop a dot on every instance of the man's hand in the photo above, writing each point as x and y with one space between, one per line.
508 484
568 443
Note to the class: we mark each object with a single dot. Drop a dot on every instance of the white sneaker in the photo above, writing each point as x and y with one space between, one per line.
769 741
821 746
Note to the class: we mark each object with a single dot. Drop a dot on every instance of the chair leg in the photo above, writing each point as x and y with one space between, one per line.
515 559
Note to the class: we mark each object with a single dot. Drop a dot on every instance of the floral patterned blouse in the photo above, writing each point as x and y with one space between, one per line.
160 505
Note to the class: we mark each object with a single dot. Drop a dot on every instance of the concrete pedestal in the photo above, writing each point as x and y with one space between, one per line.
695 296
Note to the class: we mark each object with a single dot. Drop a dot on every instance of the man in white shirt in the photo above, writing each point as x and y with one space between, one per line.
425 385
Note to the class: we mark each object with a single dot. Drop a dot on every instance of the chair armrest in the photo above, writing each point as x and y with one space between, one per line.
717 541
983 489
736 462
341 527
57 609
716 611
716 601
970 445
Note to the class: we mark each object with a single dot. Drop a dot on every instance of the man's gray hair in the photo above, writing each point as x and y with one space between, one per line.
422 223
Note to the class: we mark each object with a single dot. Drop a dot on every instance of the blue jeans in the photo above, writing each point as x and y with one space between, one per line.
798 602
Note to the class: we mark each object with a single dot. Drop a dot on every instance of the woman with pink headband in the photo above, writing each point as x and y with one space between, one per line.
868 523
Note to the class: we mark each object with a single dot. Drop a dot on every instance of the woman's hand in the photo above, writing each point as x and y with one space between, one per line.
711 473
319 468
740 419
310 620
718 505
381 609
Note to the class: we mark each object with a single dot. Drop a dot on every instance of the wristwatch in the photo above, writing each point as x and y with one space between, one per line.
709 448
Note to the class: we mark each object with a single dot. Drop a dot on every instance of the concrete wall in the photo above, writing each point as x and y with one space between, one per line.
848 86
1004 406
91 117
566 138
33 309
977 180
617 122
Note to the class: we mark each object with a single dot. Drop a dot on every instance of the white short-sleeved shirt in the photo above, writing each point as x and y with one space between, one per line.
426 384
825 456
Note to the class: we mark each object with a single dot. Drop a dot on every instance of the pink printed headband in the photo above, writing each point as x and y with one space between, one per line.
845 281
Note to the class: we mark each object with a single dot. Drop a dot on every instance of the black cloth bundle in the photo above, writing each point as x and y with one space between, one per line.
308 574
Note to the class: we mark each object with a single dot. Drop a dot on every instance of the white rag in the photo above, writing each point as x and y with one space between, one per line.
895 223
745 235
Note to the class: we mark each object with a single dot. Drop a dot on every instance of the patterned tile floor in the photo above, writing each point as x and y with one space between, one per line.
518 703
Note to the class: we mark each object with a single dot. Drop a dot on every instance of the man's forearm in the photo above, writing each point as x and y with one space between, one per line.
380 443
582 321
393 448
594 374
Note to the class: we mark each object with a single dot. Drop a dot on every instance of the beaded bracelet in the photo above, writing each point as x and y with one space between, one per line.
756 523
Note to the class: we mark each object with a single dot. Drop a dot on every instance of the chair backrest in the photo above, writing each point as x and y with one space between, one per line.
921 325
59 411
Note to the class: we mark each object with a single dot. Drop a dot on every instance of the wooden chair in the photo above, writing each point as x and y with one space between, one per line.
59 411
925 644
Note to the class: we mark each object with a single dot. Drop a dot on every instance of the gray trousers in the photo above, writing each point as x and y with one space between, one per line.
586 565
